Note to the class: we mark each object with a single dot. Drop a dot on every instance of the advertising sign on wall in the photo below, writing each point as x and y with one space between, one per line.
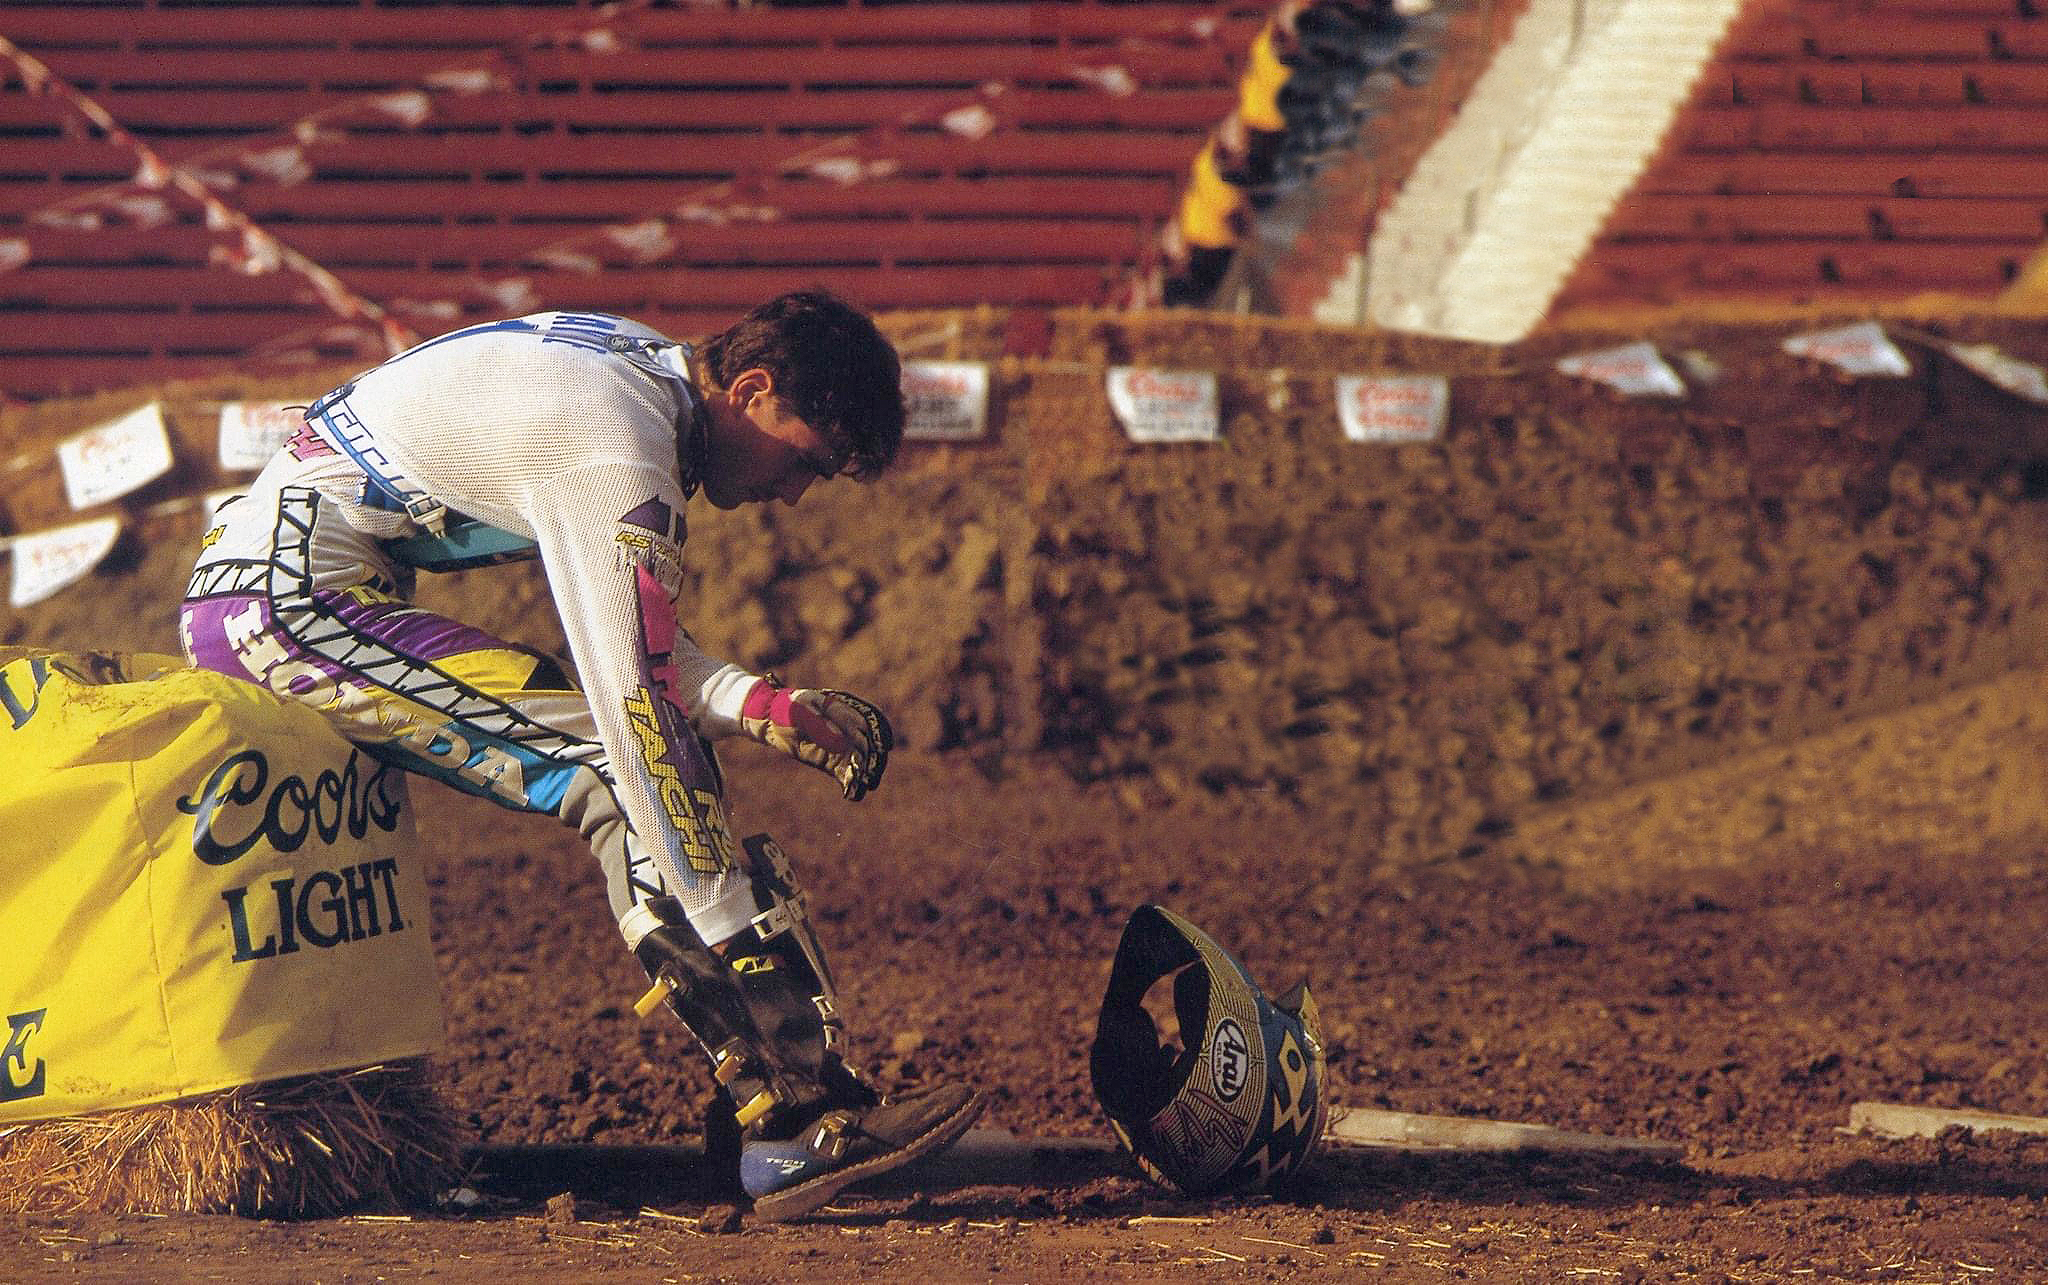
1861 349
1165 405
104 463
252 432
46 561
1634 370
947 400
1393 408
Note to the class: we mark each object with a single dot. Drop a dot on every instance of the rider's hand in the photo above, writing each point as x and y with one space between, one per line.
837 733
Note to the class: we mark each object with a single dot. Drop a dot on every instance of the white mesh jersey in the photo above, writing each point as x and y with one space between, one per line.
557 427
560 428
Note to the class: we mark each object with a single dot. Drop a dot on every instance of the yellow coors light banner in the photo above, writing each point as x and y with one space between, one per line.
200 886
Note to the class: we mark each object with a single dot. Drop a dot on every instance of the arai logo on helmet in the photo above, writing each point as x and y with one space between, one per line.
1229 1059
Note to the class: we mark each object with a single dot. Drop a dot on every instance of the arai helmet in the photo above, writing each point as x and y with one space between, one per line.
1239 1106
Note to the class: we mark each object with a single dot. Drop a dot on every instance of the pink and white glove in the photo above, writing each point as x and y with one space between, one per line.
836 732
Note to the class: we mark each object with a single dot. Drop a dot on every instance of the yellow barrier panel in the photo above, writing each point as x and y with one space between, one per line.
1258 93
1209 208
201 886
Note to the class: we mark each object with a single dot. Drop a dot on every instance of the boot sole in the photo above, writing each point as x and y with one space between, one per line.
795 1202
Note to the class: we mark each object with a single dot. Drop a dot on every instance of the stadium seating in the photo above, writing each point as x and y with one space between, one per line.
446 163
1843 154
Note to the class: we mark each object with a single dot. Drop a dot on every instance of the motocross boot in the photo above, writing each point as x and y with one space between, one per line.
763 1007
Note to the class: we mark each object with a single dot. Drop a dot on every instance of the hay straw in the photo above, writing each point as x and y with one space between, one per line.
307 1147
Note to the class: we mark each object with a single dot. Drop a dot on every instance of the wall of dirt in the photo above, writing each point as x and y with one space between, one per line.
1569 592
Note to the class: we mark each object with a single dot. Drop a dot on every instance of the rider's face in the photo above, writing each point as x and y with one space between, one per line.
758 449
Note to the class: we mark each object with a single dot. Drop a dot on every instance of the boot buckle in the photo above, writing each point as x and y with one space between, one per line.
761 1104
829 1138
729 1063
663 987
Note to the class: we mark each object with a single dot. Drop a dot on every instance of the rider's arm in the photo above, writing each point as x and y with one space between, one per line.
610 538
600 546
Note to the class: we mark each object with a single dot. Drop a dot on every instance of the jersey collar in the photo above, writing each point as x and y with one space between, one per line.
693 424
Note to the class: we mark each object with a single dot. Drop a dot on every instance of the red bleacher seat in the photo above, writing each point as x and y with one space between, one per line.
1843 149
535 139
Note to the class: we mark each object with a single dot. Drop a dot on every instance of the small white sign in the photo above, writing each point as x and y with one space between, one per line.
2020 378
252 432
947 401
1635 370
1165 405
46 561
1393 408
1861 349
115 458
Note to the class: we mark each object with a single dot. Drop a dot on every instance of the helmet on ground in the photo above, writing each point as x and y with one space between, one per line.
1239 1106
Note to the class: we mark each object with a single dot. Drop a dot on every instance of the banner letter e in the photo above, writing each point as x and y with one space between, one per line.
19 1027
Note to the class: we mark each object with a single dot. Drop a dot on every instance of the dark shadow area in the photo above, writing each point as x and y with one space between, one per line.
658 1175
616 1176
1361 1179
992 1175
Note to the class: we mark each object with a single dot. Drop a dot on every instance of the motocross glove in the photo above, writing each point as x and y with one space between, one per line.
836 732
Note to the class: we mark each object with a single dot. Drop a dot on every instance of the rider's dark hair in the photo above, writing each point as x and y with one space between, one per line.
837 371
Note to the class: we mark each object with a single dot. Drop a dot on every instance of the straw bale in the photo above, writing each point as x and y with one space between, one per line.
305 1147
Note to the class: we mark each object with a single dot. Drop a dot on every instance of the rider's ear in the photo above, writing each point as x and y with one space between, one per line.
751 383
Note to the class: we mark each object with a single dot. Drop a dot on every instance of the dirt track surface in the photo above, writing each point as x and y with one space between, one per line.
1653 773
1735 994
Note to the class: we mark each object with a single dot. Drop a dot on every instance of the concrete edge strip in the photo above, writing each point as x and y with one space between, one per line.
1560 126
1402 1130
1897 1120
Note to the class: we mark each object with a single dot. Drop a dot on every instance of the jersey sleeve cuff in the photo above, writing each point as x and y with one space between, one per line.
720 699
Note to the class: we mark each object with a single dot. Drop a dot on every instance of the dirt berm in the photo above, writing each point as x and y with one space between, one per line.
1571 591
